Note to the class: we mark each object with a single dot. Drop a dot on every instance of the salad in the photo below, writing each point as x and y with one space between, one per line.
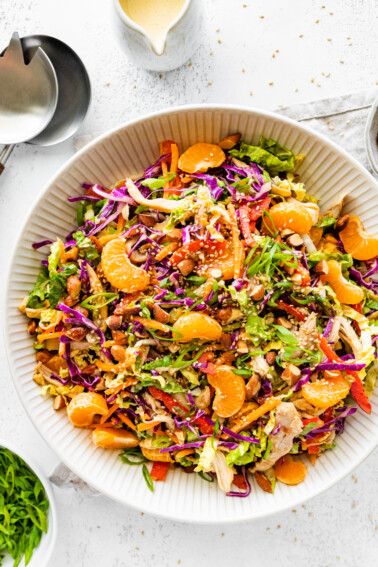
207 316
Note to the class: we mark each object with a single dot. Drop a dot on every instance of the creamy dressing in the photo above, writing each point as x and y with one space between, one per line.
154 16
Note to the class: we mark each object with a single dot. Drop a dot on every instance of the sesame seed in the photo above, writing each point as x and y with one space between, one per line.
316 21
219 41
271 83
341 61
301 35
190 64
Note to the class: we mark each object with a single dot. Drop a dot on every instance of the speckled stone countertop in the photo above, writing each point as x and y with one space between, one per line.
256 53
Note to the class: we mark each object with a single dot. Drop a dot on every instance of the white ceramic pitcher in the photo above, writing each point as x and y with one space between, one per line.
181 38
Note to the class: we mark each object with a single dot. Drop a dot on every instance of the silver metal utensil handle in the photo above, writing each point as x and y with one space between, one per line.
7 150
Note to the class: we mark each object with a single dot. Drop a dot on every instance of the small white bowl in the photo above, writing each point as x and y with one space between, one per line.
42 554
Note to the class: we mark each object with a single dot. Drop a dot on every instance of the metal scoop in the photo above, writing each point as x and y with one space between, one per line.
28 94
74 90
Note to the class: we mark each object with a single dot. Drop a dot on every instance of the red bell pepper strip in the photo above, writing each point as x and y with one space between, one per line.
248 215
196 245
357 307
246 225
168 401
316 419
177 408
257 209
304 273
294 311
313 449
159 470
357 388
206 358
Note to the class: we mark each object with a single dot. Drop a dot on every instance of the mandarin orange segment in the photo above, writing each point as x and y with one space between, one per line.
200 157
289 471
230 141
197 326
346 291
229 391
225 263
155 455
112 438
118 269
326 392
290 215
357 242
83 407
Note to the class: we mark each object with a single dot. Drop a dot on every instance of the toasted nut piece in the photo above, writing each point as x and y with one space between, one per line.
137 257
89 369
226 341
284 322
342 223
263 482
331 374
229 142
100 386
321 268
159 314
294 240
291 374
270 357
286 232
76 333
114 322
174 234
32 327
258 292
118 353
148 219
224 314
96 243
73 287
73 253
186 266
253 386
59 403
82 310
43 356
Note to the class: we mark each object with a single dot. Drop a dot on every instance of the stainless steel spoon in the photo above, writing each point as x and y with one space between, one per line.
74 90
28 94
371 136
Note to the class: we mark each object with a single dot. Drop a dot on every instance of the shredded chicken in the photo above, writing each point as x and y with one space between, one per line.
348 335
224 473
307 335
260 365
290 424
333 337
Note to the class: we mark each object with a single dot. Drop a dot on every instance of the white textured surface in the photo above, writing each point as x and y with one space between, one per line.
341 528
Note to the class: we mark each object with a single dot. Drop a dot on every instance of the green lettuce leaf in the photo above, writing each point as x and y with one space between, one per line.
256 329
86 246
269 154
40 290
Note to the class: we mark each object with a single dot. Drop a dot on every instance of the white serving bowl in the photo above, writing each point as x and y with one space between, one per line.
128 150
42 554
